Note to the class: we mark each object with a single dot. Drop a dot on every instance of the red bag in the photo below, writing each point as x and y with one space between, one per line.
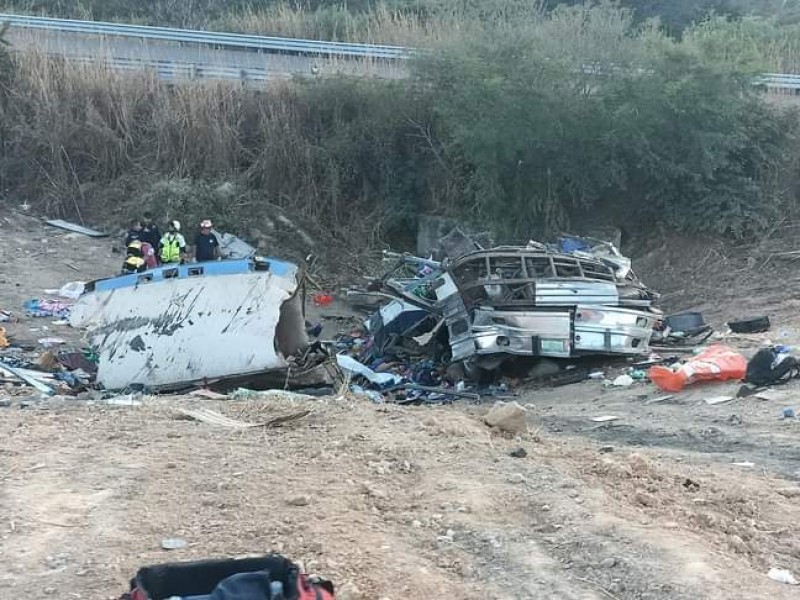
715 363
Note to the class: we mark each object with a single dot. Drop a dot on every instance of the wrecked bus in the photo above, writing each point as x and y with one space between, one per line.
181 324
531 302
522 301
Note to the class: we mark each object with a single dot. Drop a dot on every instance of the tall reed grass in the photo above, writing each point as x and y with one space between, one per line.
327 151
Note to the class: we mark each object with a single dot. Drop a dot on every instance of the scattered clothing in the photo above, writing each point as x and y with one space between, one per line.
77 360
43 307
771 366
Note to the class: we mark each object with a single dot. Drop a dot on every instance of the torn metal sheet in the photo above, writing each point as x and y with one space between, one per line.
232 247
191 323
399 320
541 333
612 330
31 378
570 293
76 228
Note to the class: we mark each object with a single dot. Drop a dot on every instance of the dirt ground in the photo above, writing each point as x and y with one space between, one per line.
676 499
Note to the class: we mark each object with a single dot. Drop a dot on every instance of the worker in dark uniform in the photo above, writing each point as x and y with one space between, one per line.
206 244
134 233
151 234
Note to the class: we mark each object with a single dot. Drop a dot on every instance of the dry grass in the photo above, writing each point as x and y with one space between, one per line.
72 124
382 25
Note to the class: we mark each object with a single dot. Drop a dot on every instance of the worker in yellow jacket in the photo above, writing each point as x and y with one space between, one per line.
173 245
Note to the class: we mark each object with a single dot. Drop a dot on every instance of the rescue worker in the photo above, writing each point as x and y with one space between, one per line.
134 248
134 233
151 234
144 251
206 244
133 264
135 261
173 245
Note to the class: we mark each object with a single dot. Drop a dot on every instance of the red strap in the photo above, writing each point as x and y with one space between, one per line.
311 591
137 594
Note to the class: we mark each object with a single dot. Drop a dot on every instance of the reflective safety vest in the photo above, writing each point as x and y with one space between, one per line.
134 264
170 248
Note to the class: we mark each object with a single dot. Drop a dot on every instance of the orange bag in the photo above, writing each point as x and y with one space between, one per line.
715 363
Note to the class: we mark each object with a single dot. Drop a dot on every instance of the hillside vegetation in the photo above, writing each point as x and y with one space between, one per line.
764 31
526 125
343 19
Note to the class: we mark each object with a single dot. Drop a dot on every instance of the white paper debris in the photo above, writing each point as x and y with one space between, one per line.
623 381
782 576
604 419
718 400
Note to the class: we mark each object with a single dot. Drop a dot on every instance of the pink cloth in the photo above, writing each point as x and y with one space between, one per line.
149 256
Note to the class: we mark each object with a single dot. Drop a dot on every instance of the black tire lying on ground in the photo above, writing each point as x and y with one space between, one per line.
685 322
751 325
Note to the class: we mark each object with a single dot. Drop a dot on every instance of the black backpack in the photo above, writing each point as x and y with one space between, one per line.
227 579
762 370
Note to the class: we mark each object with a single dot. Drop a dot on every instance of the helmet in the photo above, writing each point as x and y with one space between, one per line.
206 224
135 248
134 264
176 225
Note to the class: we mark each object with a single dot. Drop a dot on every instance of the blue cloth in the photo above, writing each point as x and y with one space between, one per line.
569 245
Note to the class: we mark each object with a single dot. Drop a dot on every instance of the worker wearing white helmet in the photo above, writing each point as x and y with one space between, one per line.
173 245
206 244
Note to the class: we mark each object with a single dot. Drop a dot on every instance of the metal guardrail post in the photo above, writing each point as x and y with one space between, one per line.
216 39
270 45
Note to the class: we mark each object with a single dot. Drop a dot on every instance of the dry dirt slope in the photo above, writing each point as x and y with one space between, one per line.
398 503
402 503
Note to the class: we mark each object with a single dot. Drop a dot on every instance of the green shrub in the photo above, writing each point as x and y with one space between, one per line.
582 110
520 125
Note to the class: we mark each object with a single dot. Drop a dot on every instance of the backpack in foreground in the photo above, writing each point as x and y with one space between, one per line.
771 366
270 577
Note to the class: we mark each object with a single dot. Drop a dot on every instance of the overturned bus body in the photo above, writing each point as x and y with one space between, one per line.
183 324
533 302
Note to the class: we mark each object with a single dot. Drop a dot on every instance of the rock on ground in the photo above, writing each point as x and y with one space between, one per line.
507 416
